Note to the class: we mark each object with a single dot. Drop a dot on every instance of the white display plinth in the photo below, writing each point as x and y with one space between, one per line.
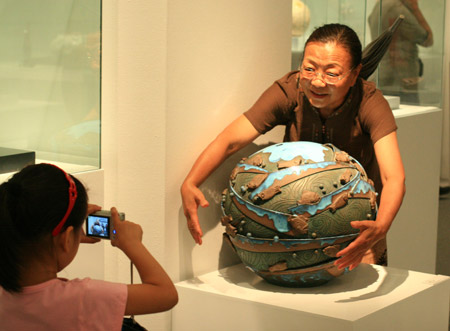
419 138
393 101
368 298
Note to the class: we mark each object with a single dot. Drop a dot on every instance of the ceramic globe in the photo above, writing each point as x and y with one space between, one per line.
288 207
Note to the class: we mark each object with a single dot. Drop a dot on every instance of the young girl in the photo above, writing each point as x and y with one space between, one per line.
42 210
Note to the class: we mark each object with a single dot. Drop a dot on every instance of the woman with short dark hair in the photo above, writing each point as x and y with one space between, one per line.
324 101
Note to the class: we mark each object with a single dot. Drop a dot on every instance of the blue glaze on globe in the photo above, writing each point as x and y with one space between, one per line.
250 167
310 278
363 187
294 170
252 241
317 276
288 243
287 152
280 220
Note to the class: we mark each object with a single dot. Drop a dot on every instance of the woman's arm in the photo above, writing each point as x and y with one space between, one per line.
235 136
413 6
393 178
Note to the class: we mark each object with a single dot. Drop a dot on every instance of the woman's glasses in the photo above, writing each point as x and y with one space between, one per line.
327 77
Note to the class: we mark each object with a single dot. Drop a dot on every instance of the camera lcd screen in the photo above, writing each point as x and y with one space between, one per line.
97 226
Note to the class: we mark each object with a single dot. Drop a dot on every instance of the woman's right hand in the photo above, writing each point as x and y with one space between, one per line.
192 198
235 136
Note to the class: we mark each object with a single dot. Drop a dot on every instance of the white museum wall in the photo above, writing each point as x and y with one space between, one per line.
163 62
133 127
220 58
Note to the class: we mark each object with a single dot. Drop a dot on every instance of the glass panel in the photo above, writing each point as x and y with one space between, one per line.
50 80
310 14
410 69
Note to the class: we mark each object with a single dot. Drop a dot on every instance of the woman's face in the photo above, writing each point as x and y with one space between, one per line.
328 59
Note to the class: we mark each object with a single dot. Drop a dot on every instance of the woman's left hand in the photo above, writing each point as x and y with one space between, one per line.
370 233
393 178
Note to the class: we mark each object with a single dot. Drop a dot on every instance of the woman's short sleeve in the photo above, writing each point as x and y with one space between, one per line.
375 113
274 107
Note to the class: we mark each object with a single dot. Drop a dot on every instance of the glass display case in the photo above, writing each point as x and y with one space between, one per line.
50 81
412 66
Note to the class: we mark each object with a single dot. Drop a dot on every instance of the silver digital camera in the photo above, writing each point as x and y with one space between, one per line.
100 225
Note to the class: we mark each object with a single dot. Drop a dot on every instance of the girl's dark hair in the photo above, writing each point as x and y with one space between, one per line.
341 35
32 203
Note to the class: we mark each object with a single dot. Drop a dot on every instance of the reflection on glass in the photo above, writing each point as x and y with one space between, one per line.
310 14
50 79
401 72
412 67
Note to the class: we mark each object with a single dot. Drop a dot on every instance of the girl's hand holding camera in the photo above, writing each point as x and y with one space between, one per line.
157 292
125 234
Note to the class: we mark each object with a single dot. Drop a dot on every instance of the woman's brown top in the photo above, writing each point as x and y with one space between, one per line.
363 119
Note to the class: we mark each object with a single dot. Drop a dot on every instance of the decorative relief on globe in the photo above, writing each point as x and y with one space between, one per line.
287 211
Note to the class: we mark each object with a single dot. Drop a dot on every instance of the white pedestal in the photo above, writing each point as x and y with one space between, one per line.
412 238
393 101
368 298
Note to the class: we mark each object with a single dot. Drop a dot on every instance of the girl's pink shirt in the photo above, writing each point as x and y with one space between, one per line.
58 304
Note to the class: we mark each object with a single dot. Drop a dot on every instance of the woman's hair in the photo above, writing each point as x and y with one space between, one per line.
32 203
341 35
